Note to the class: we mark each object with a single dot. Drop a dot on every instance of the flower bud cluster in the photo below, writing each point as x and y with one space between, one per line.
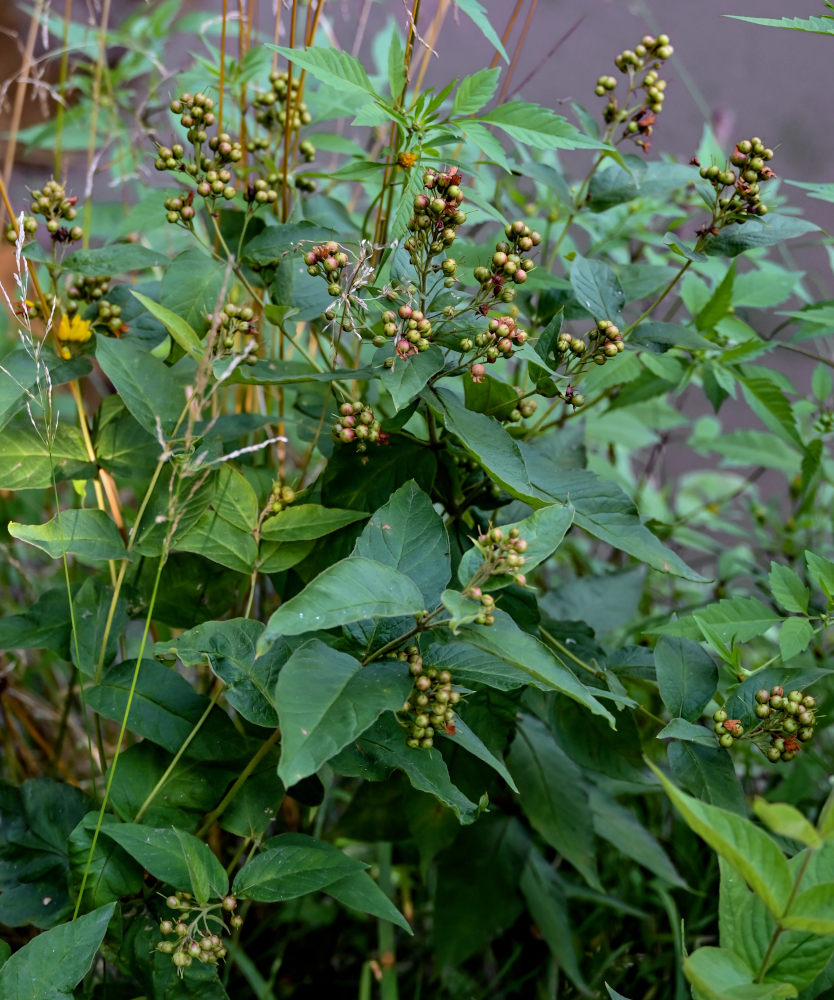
824 423
410 328
189 937
497 341
30 227
430 705
437 216
279 498
56 207
236 327
601 344
282 99
785 723
649 54
503 553
357 424
510 262
327 261
750 158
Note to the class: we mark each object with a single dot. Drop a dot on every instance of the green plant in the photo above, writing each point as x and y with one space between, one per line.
355 592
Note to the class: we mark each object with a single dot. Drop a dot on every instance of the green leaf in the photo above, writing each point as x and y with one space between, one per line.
771 406
748 849
821 571
116 258
736 619
112 873
347 591
475 10
307 521
680 729
397 78
548 779
682 250
506 641
88 535
326 700
823 25
290 871
813 910
271 245
597 289
331 66
719 302
537 127
179 329
216 539
146 385
28 462
384 745
621 828
463 610
93 615
51 965
23 379
788 589
543 531
719 974
795 635
164 709
408 376
191 286
708 774
472 743
229 649
686 676
174 857
772 229
475 91
786 821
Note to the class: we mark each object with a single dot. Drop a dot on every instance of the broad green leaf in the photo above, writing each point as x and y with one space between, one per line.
686 676
680 729
51 965
506 641
384 745
92 611
825 823
116 258
223 543
707 773
821 571
771 406
748 849
537 127
347 591
270 246
397 78
290 871
191 286
719 974
307 521
733 619
463 610
772 229
179 329
597 289
326 700
787 821
164 709
408 376
147 386
44 625
112 873
545 897
23 380
88 535
621 828
172 856
795 635
813 910
331 66
28 462
475 91
472 743
475 10
719 302
547 778
543 531
229 649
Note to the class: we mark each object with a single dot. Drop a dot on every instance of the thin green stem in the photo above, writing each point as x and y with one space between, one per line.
779 929
564 651
178 755
112 770
644 315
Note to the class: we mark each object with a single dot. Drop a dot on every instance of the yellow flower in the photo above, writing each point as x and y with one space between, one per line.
407 159
75 329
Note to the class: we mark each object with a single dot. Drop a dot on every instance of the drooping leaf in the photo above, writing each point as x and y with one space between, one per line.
291 870
90 536
733 619
28 461
179 328
307 521
147 386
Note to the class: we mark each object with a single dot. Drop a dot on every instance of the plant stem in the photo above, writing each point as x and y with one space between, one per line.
780 930
385 929
680 273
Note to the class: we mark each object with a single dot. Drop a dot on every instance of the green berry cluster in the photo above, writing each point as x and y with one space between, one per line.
437 216
499 339
785 722
644 99
510 262
279 498
327 261
503 553
261 192
824 422
30 227
273 106
357 424
430 705
86 289
411 329
193 935
737 192
236 327
601 344
52 202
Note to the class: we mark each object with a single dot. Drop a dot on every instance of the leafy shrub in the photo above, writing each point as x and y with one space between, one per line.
366 612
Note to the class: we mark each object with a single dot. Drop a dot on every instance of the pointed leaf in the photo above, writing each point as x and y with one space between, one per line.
537 127
597 289
686 676
331 66
787 821
179 329
788 589
475 91
795 635
88 535
307 521
147 387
